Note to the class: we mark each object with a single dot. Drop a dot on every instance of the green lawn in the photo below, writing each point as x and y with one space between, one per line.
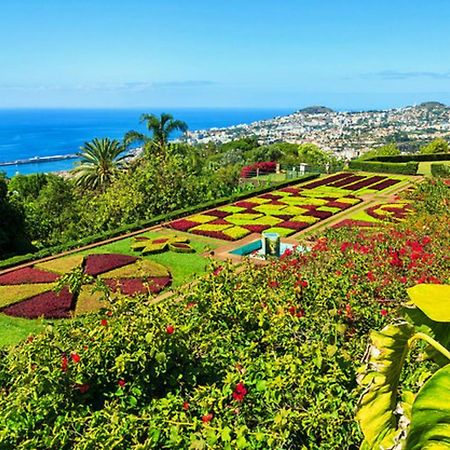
425 167
15 329
182 266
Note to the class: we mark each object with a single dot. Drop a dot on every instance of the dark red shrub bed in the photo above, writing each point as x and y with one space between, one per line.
183 224
319 214
256 228
384 184
270 196
213 234
219 222
49 305
28 275
291 190
97 264
325 181
135 286
337 204
297 226
247 205
283 216
347 181
215 213
353 223
365 183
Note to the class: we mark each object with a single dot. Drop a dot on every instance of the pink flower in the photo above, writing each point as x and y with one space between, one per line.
239 392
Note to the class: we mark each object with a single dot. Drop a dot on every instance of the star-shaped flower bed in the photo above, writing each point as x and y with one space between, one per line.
149 246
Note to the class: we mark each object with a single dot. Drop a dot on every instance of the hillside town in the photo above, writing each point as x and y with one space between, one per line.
346 134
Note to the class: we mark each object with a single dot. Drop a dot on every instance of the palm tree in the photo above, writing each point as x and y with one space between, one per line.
100 162
160 127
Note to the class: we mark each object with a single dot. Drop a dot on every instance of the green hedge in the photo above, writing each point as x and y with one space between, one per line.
440 170
409 168
411 157
21 259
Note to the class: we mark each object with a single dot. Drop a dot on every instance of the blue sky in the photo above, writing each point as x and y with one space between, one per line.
237 53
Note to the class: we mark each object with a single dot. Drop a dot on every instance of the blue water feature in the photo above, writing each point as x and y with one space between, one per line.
254 249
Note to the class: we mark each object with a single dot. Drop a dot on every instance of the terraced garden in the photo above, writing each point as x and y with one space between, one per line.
286 211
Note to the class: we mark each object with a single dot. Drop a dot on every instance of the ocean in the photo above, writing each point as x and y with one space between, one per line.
30 133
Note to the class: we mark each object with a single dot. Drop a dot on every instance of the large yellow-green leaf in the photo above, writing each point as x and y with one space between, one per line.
380 379
433 300
430 423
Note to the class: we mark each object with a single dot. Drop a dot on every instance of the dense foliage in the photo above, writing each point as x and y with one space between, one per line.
261 357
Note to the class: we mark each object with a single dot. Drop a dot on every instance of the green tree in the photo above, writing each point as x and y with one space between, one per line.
100 162
384 150
160 128
312 154
437 146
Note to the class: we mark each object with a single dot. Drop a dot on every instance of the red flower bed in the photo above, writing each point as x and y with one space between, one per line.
337 204
28 275
247 205
183 224
261 167
291 190
297 226
219 222
347 181
365 183
215 213
325 181
97 264
270 196
49 305
319 214
213 234
283 216
353 223
135 286
256 228
384 184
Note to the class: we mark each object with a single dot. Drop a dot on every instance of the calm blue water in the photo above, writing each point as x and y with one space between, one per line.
26 133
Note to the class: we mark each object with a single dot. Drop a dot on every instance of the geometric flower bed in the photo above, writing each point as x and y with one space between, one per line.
148 246
29 292
285 211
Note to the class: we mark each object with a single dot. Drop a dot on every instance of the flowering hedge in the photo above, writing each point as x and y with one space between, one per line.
262 168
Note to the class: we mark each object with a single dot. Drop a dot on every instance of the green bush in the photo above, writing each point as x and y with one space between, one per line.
409 168
440 170
412 157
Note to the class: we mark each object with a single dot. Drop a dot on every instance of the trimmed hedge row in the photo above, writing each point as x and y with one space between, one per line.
22 259
440 170
409 168
411 158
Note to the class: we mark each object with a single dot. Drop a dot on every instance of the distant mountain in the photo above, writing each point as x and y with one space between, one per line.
316 110
432 105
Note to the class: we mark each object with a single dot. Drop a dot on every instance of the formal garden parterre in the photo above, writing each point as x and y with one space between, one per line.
286 211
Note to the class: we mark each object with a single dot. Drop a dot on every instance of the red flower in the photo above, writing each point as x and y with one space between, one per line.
207 417
83 388
109 313
273 284
239 392
425 240
170 329
384 312
64 363
345 246
185 406
75 357
403 280
104 322
190 305
338 273
121 383
217 270
371 276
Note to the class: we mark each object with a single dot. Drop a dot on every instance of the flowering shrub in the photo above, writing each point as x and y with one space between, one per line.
262 168
263 357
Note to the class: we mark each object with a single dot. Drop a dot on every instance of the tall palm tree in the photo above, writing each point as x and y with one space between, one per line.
160 127
100 161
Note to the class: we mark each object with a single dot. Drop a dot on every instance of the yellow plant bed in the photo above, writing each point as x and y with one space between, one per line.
89 302
62 265
18 292
202 218
140 269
